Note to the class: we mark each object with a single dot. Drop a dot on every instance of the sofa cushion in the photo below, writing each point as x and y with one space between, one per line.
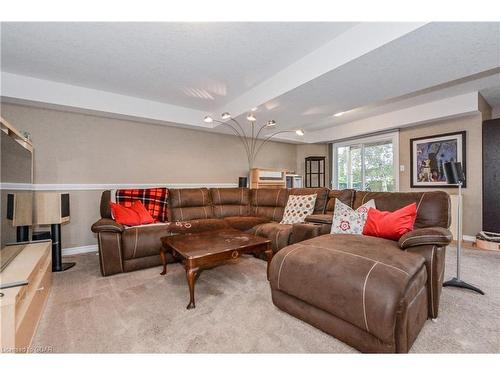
358 279
390 225
346 196
231 202
297 208
245 223
433 207
188 204
268 203
279 234
349 221
321 197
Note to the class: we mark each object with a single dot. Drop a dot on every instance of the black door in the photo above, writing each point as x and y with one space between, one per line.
491 176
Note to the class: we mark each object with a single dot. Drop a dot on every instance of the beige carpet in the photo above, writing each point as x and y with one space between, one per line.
145 312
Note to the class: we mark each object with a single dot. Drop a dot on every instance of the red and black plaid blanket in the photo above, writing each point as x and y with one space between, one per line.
154 199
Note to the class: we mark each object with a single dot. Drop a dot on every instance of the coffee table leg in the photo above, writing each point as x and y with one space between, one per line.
164 261
191 275
269 255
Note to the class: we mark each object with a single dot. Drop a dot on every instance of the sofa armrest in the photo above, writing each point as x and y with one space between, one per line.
304 231
319 219
107 225
426 236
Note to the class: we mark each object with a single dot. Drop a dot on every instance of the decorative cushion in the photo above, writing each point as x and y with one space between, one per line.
298 207
144 215
124 215
349 221
390 225
154 199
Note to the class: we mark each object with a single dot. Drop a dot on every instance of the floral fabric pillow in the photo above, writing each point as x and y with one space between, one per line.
298 207
349 221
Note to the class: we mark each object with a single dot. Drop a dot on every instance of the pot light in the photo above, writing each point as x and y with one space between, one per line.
226 116
254 109
251 117
299 132
271 123
338 114
208 119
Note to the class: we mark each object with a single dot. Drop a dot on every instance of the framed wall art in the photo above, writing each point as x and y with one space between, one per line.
428 155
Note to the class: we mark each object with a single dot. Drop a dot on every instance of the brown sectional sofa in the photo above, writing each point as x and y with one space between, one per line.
124 249
315 276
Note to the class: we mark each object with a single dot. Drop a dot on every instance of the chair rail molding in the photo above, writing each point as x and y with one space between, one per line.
87 187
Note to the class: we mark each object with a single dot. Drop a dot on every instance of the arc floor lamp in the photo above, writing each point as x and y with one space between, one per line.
249 136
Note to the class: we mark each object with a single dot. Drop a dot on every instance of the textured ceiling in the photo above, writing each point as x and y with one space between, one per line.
430 56
195 65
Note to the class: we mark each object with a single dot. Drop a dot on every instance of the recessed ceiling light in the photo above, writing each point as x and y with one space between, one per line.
338 114
254 109
208 119
251 117
299 132
226 115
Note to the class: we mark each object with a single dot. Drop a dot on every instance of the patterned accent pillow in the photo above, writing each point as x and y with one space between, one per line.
298 207
154 199
349 221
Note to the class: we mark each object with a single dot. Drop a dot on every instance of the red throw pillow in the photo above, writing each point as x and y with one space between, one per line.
390 225
134 215
144 216
125 215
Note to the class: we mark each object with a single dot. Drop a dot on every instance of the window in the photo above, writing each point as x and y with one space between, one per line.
367 163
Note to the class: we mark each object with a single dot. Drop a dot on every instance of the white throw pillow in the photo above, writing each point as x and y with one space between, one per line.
349 221
298 207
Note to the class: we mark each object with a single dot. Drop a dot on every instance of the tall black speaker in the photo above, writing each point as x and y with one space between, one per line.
454 172
491 175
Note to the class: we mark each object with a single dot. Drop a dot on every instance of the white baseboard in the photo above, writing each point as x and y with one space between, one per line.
80 250
469 238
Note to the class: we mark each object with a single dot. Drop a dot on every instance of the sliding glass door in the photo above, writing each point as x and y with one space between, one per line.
366 164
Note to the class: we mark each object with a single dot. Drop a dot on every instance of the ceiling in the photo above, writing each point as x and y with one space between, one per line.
299 74
195 65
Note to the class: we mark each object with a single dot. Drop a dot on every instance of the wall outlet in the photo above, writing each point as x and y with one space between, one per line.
401 168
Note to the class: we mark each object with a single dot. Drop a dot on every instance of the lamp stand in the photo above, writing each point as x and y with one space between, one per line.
456 281
57 264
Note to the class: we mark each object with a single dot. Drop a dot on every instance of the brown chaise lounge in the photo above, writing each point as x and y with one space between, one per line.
372 293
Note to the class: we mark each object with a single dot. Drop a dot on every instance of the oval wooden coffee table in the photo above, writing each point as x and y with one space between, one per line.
199 251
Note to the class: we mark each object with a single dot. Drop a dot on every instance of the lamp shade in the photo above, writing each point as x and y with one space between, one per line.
454 173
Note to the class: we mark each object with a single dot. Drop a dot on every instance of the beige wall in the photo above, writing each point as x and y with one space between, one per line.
472 195
75 148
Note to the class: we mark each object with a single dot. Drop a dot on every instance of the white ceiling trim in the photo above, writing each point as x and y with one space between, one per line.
351 44
44 91
436 110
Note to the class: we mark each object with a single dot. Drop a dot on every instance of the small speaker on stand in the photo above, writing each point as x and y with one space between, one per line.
242 182
52 208
455 176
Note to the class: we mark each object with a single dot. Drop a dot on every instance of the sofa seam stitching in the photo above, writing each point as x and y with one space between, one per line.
283 262
136 238
364 295
360 256
119 251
